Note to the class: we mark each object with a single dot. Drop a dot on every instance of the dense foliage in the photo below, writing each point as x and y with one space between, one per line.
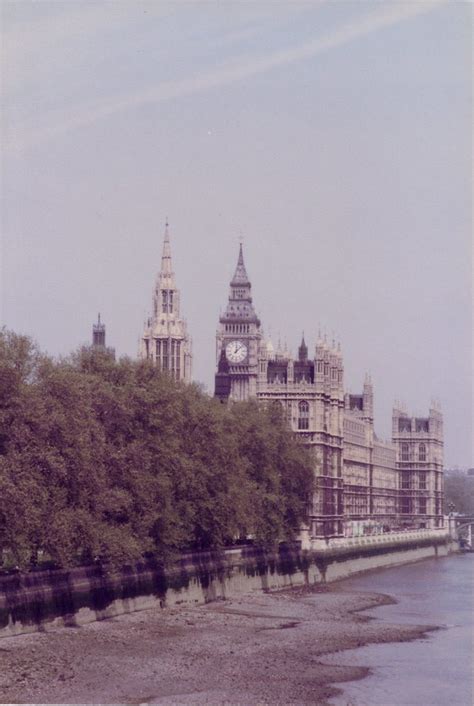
114 460
459 492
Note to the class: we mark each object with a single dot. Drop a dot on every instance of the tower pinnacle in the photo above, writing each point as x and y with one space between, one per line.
165 340
166 268
240 277
303 350
98 334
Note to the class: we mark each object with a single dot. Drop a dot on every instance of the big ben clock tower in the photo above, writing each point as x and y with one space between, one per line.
238 341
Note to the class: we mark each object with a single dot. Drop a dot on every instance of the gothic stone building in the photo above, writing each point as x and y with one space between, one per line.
165 339
363 484
98 340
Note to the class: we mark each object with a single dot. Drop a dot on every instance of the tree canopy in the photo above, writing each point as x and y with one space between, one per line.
459 492
116 460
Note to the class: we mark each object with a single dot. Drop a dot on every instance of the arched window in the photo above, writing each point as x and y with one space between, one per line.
422 452
405 452
277 407
303 415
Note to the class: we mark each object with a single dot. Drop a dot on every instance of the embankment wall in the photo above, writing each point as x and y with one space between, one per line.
36 600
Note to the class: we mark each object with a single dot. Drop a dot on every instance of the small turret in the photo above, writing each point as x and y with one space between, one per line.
368 398
98 334
303 351
98 339
319 361
270 350
279 353
340 370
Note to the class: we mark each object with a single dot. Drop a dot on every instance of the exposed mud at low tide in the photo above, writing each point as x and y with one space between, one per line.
254 649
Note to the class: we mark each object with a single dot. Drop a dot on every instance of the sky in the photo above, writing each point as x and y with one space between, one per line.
333 137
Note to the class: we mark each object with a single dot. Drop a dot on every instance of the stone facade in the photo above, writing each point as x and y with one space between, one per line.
165 339
311 394
363 484
419 442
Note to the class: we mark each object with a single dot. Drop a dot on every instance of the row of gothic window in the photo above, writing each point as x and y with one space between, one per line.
405 424
407 506
405 452
237 328
408 481
323 367
303 423
167 356
303 415
167 301
299 377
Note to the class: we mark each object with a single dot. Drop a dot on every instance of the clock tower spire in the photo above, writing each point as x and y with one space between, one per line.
238 340
240 277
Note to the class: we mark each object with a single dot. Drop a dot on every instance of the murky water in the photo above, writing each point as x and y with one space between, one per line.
435 671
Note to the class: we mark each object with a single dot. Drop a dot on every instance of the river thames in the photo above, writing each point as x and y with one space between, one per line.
434 671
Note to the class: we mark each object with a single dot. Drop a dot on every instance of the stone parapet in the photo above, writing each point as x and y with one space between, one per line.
387 539
34 601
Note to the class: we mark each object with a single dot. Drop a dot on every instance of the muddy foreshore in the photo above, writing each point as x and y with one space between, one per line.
254 649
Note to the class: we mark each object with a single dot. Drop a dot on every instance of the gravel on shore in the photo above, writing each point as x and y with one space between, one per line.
259 648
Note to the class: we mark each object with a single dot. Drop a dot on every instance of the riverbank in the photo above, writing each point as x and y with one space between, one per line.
435 671
38 600
254 649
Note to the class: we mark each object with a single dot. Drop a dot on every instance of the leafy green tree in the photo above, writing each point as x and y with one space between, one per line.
114 459
459 492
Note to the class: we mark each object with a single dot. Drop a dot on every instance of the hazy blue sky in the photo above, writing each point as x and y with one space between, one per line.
334 136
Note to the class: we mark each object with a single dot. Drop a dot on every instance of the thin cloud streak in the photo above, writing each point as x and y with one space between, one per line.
384 17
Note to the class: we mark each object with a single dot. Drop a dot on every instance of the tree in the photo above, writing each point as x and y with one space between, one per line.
115 459
459 492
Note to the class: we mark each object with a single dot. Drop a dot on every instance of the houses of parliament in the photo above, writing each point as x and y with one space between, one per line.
364 485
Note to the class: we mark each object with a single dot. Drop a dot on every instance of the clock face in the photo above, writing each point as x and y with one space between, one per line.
236 351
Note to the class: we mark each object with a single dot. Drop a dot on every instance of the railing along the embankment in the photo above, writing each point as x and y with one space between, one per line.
401 538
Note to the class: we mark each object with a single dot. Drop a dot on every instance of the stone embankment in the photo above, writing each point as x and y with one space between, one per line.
29 602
